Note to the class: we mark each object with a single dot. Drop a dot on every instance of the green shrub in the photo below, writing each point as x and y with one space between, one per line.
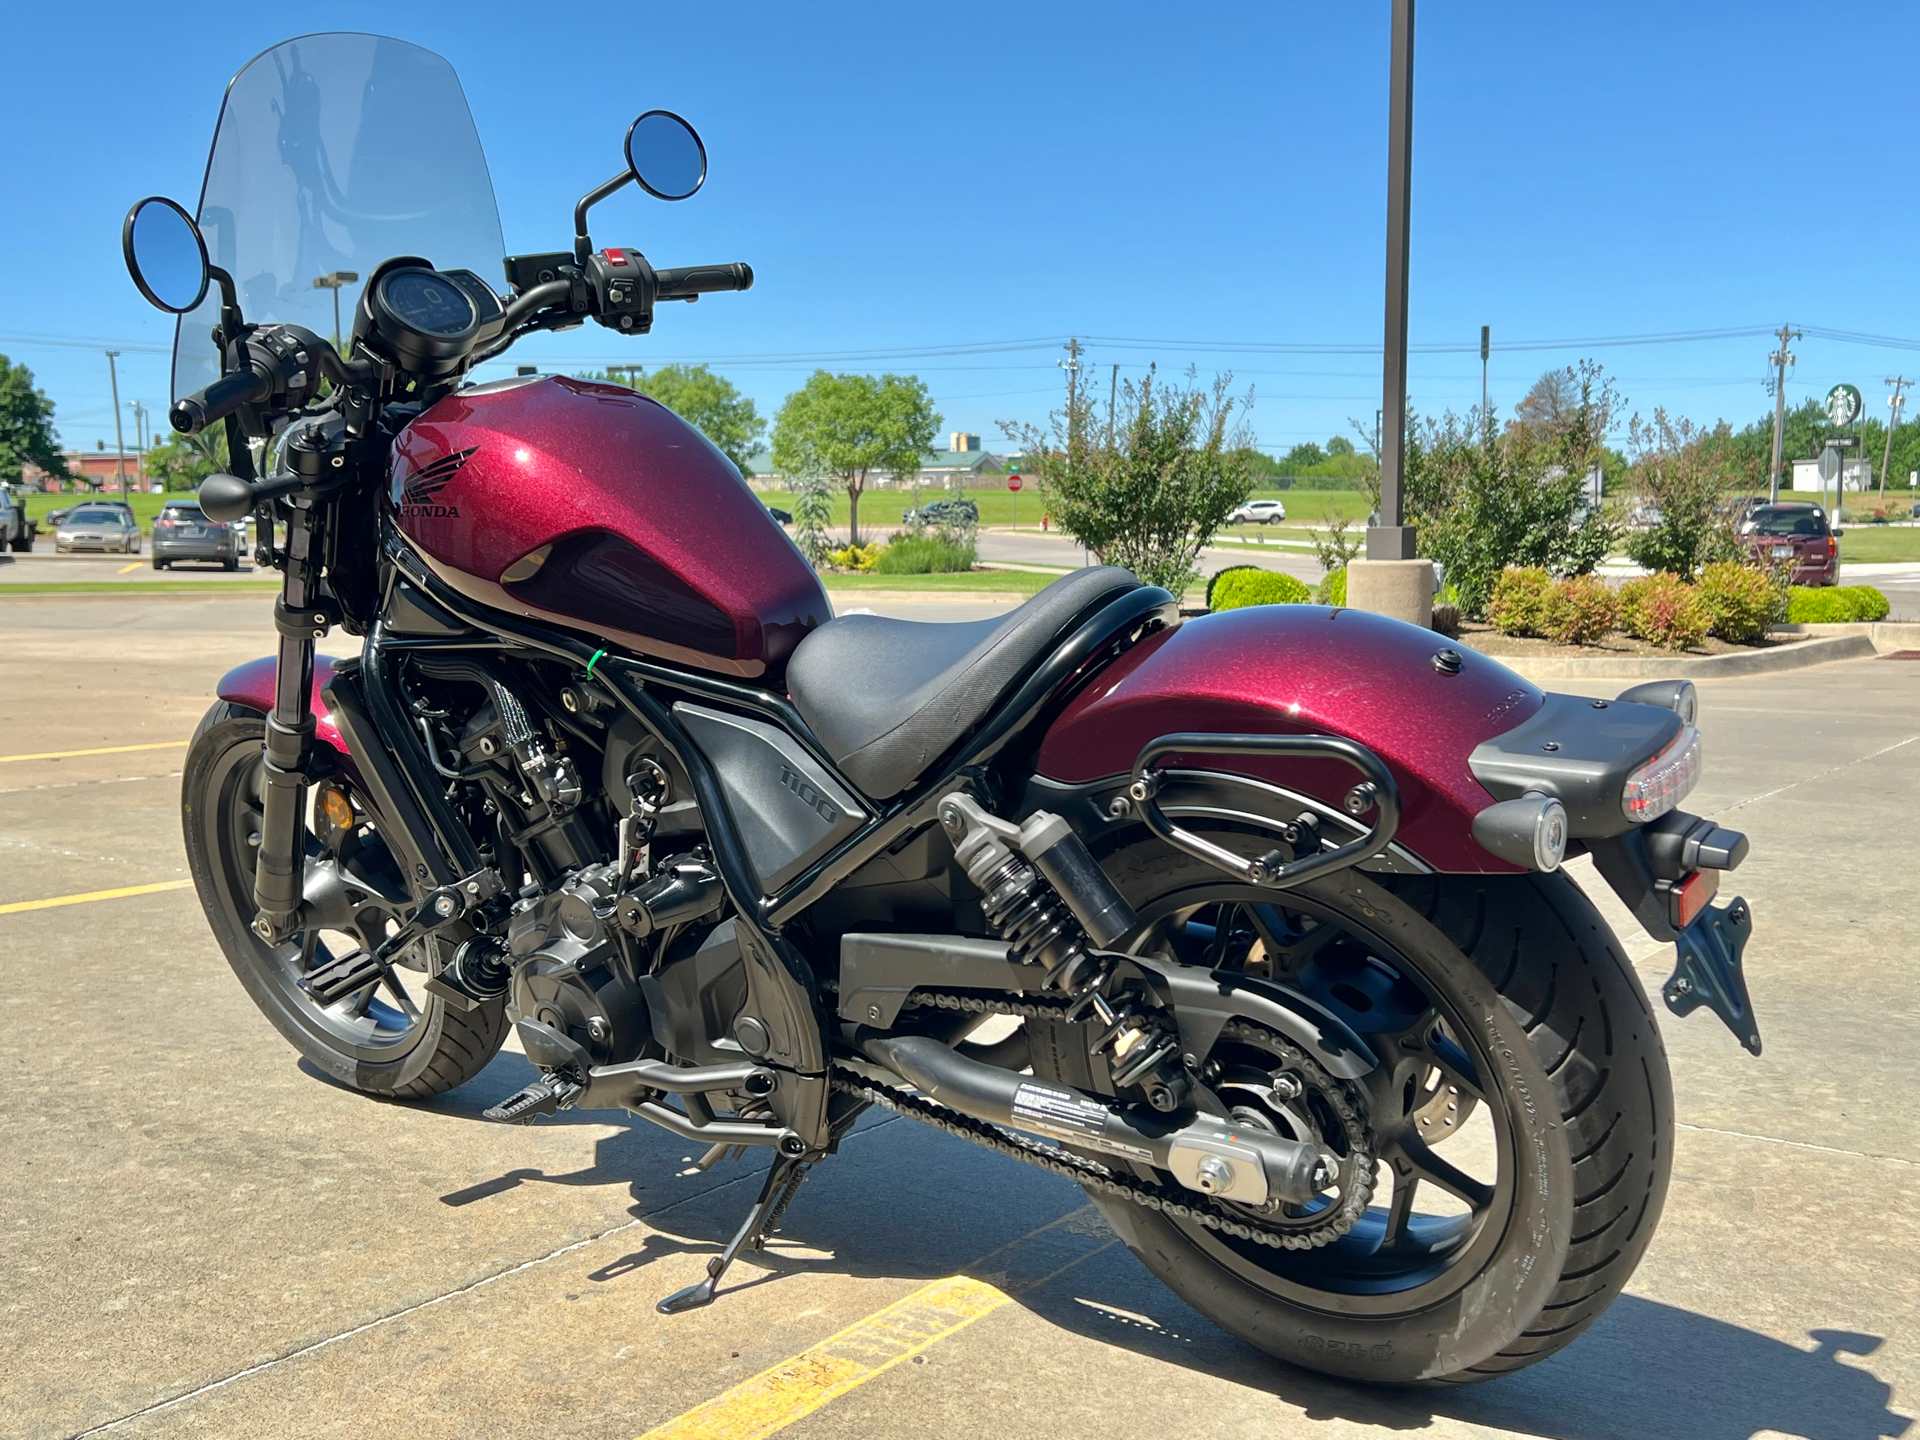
1333 589
1253 586
1664 610
1740 600
1578 611
1219 575
858 558
1835 605
924 555
1518 605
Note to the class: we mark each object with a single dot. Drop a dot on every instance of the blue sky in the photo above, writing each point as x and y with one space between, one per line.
953 190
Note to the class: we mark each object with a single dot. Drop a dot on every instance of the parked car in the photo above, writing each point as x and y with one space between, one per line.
183 532
98 527
783 517
1796 537
1258 512
944 512
58 517
1643 516
16 527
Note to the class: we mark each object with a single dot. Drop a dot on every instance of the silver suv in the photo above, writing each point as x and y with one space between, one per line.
1258 512
183 532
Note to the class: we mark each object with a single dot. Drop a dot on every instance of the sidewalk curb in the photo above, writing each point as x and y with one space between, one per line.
1821 651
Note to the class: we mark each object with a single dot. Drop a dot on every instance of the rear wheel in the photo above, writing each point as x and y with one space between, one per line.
392 1038
1516 1137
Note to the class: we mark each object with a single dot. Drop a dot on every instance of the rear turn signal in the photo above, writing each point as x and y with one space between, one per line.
1664 781
1689 897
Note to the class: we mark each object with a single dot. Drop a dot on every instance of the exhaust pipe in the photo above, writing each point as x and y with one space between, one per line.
1210 1155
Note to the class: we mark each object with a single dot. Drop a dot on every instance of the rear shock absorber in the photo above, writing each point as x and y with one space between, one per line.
1046 895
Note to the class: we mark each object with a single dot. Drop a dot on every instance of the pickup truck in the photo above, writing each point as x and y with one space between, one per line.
16 528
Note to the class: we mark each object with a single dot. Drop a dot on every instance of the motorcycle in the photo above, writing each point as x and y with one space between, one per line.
1252 924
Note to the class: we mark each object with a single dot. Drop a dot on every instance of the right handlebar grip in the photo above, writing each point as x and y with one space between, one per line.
702 279
197 411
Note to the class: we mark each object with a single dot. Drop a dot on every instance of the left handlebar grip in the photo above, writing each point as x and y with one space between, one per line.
687 280
197 411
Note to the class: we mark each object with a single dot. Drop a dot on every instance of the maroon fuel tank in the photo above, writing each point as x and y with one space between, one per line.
1308 670
597 508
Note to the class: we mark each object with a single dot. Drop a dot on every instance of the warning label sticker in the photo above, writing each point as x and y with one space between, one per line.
1070 1116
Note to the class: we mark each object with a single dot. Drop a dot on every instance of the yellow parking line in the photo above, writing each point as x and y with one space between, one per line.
127 569
103 750
18 905
793 1389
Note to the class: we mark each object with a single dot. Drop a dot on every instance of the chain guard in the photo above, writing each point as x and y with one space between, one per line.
1177 1204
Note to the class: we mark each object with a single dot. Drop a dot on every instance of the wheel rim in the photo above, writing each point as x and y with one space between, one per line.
378 1022
1436 1220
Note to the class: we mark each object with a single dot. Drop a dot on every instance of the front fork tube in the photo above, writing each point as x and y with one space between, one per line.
279 875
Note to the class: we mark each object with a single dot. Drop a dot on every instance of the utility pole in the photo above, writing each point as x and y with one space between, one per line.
1896 402
119 442
1113 395
1393 538
1780 360
1486 348
1072 366
139 443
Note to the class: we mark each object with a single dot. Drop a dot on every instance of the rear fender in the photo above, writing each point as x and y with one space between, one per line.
1309 670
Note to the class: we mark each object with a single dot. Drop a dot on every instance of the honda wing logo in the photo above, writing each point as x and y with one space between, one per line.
419 495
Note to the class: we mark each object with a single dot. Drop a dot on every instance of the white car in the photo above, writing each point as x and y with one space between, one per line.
1258 512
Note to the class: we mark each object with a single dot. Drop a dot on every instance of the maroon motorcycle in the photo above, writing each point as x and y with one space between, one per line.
1251 924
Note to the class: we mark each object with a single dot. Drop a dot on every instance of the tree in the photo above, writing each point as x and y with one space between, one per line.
852 426
708 402
1153 495
1554 398
184 461
1687 474
26 426
1339 445
1486 498
1303 456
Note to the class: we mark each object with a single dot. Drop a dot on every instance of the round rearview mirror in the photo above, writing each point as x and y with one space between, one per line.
666 156
165 254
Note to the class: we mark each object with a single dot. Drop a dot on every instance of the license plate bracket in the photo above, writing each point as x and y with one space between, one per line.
1708 970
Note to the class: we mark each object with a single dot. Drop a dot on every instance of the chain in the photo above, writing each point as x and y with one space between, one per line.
1356 1192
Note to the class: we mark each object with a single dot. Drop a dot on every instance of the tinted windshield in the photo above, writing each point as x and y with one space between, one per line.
332 154
1787 522
182 512
95 517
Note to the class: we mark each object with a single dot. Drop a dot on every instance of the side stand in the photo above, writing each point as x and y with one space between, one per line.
783 1178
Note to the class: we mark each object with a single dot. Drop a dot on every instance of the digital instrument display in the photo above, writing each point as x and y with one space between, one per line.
428 302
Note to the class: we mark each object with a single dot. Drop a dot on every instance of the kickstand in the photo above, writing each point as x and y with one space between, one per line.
783 1178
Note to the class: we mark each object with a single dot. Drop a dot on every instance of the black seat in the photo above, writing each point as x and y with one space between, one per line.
889 697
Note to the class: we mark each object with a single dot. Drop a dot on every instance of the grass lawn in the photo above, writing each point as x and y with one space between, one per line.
975 582
145 507
880 510
1864 544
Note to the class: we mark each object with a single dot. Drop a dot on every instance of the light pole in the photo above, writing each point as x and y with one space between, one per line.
119 441
1486 348
139 443
1391 580
333 282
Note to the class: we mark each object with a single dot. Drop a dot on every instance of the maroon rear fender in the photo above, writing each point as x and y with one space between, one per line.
251 685
1308 670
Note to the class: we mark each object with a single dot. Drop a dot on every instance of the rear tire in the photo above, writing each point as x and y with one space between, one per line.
1536 979
441 1048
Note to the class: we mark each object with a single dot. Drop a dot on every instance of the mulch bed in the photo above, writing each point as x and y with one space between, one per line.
1489 641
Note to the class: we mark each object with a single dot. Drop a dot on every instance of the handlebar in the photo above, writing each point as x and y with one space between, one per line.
195 412
684 282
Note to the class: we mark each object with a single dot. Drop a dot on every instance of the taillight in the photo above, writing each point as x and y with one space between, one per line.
1833 547
1664 781
1686 900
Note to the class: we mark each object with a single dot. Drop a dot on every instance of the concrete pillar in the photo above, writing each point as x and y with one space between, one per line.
1400 588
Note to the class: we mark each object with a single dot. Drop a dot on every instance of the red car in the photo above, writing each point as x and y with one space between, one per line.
1795 536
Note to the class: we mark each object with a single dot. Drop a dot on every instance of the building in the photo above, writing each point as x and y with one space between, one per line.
92 470
1854 475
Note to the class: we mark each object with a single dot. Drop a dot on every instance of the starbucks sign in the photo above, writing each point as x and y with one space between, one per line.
1843 404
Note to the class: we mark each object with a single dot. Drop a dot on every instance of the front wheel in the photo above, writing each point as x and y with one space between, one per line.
1505 1163
393 1038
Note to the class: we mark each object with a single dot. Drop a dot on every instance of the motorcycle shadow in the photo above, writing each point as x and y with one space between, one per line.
904 1202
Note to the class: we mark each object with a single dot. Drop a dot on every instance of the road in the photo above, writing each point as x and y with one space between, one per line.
203 1237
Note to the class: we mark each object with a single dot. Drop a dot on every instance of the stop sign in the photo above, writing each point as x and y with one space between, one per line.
1013 482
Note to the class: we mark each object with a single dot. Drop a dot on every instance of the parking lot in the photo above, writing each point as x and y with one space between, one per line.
201 1236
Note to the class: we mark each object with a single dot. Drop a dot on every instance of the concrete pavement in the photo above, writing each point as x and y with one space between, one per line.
201 1237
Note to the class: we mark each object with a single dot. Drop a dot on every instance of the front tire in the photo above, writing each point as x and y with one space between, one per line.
1529 982
405 1042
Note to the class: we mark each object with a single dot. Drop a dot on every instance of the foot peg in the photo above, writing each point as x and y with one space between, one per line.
783 1178
546 1096
337 979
